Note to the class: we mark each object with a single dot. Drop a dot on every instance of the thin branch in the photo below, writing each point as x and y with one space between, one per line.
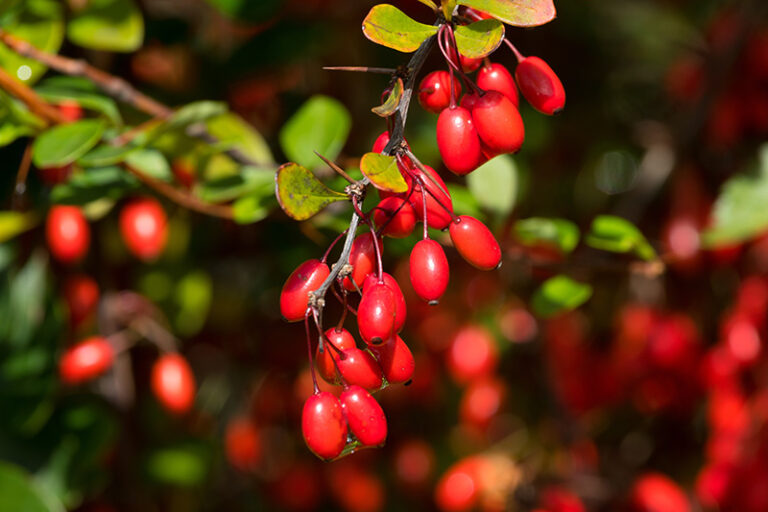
50 114
21 177
361 69
336 168
180 197
115 87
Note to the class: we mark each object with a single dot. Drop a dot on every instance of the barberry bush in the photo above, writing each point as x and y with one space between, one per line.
256 258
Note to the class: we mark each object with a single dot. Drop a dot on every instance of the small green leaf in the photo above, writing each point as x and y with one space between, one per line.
615 234
389 26
16 120
89 100
41 24
19 492
193 297
479 39
105 154
196 112
95 184
109 25
185 464
249 181
518 13
13 224
252 208
389 107
559 233
152 163
63 144
739 213
383 172
322 124
300 193
233 132
494 184
558 294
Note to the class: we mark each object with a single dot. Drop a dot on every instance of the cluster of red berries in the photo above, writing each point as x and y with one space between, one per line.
143 227
486 121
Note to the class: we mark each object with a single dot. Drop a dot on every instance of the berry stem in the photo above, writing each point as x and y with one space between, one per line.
519 56
423 169
333 244
309 349
452 41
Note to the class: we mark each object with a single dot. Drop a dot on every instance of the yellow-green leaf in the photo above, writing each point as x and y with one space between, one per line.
110 25
518 13
479 39
389 107
389 26
558 294
13 224
383 172
615 234
300 193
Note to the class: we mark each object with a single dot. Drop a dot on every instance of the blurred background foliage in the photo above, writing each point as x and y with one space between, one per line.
667 105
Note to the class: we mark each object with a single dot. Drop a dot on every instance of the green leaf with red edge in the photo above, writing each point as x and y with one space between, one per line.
518 13
383 172
389 26
300 193
389 107
479 39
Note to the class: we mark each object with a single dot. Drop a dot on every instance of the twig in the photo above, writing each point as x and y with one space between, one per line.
180 197
361 69
21 177
115 87
51 115
336 168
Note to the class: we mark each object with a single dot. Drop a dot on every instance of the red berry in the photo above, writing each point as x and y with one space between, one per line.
173 383
459 487
67 233
82 296
497 121
295 294
396 361
435 91
458 141
323 425
376 315
358 367
495 77
472 354
362 257
71 110
184 171
475 243
400 307
429 270
469 64
86 360
481 401
341 339
365 417
540 85
395 216
381 142
144 228
414 463
655 492
243 445
438 199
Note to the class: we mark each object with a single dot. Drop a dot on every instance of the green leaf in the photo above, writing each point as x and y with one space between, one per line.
615 234
94 184
25 302
322 124
66 143
448 7
301 194
16 120
739 212
494 184
558 294
152 163
389 107
41 24
252 208
106 154
479 39
559 233
196 112
13 224
233 132
53 93
430 4
249 181
193 297
383 172
518 13
389 26
19 492
109 25
184 464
